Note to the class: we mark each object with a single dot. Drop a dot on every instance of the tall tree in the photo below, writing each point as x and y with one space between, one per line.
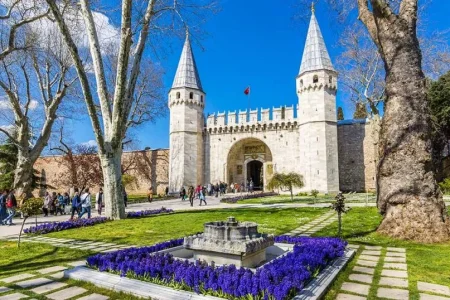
408 196
360 111
340 114
115 101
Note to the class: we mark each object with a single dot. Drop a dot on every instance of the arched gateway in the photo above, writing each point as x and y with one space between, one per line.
249 159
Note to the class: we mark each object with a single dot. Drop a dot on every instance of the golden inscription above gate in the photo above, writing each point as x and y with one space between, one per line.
254 149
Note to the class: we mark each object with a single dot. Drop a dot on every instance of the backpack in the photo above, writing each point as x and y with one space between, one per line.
9 202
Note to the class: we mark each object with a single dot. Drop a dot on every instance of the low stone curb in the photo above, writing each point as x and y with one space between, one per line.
317 288
132 286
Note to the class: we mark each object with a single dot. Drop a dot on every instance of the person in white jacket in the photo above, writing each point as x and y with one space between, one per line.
85 199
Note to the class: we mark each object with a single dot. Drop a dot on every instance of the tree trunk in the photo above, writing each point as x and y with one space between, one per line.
408 196
339 224
113 190
21 230
23 177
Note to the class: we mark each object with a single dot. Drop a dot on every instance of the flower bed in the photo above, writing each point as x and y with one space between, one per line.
282 278
146 213
248 196
59 226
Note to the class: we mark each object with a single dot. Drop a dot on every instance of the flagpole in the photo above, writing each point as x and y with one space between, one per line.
248 98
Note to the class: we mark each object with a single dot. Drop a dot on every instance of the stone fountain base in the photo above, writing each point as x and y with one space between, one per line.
252 260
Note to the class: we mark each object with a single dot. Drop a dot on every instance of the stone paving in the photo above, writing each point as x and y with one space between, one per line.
73 244
393 277
431 291
43 283
315 225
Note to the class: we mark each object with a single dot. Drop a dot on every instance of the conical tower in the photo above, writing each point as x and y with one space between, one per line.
316 90
186 104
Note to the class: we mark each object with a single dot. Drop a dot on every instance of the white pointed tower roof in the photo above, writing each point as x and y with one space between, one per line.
187 73
315 54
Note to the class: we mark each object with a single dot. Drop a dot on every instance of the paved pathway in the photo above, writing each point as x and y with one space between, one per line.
45 283
315 225
393 277
73 244
175 204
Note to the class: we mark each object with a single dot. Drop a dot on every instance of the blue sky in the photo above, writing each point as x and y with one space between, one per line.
254 43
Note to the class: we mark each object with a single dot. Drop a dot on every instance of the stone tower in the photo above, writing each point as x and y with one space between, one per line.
186 104
316 89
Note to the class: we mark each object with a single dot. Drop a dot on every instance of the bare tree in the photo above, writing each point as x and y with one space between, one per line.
116 101
14 22
31 114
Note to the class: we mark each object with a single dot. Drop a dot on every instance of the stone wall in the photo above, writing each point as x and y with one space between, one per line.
357 164
150 167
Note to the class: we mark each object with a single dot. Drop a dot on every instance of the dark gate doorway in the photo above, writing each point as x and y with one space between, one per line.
255 173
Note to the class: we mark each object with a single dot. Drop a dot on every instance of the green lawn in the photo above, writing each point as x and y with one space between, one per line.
361 197
147 231
32 257
429 263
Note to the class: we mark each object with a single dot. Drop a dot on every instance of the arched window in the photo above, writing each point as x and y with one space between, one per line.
330 79
191 95
315 79
201 98
301 82
178 95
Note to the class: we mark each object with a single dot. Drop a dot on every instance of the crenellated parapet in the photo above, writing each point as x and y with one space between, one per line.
276 118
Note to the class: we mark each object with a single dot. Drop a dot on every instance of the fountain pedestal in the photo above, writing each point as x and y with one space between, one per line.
230 242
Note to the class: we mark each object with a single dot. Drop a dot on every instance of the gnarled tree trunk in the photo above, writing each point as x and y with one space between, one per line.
408 195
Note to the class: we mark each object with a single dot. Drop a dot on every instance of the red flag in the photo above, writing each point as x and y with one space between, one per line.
247 90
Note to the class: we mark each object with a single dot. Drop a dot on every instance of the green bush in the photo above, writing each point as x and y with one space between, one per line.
302 194
314 193
31 207
445 186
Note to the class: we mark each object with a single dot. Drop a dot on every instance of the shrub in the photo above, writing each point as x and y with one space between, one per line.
445 186
314 193
246 197
146 213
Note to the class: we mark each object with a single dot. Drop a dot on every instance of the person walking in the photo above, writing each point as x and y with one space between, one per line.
125 197
60 204
85 204
191 195
67 207
150 194
202 195
182 193
76 203
3 213
167 191
11 205
99 201
46 205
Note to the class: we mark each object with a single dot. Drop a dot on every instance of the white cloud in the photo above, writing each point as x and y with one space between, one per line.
90 143
50 36
5 105
33 105
9 128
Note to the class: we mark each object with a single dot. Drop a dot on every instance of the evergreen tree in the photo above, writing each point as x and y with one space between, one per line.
8 160
439 101
360 111
340 114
